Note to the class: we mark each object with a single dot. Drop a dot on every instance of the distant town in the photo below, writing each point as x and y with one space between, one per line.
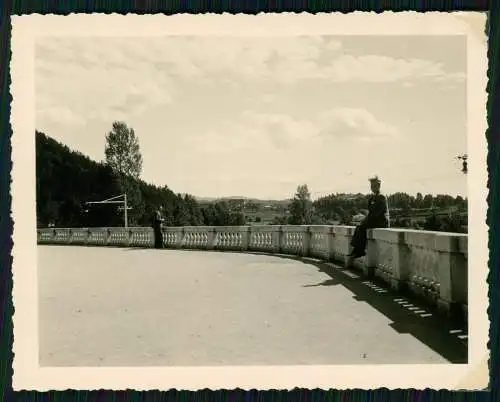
270 212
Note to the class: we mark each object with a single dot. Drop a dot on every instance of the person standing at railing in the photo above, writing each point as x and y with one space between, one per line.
376 218
157 227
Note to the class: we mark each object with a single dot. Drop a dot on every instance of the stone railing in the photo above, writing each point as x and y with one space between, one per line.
429 264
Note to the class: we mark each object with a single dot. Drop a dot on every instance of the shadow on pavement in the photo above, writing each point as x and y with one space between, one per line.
328 282
433 330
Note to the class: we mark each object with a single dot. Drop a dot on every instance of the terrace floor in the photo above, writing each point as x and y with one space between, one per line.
103 306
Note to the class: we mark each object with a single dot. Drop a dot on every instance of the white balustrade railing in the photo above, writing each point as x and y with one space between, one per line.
430 264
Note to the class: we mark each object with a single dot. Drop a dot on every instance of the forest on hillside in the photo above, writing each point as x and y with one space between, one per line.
66 180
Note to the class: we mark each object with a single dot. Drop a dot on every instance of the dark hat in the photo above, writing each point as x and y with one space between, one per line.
375 180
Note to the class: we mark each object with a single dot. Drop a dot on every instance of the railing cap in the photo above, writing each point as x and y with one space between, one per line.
295 228
344 230
321 229
396 236
447 243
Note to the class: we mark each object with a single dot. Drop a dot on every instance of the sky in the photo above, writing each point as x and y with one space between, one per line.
257 116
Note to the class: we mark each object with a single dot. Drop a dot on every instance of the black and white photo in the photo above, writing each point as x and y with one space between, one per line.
253 201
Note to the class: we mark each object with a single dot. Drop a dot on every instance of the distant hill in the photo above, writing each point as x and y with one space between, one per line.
241 198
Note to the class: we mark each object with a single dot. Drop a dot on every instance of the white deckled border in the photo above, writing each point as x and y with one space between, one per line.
27 373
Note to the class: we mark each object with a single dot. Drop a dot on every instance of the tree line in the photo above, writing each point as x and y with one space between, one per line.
66 180
437 213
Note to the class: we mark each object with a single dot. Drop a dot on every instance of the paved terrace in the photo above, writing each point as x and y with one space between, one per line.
131 305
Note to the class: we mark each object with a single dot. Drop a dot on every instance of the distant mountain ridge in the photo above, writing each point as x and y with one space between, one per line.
234 198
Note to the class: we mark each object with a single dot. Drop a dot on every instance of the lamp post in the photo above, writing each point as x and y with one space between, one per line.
463 158
119 199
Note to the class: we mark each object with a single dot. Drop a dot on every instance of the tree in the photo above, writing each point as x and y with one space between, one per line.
432 223
124 157
461 202
237 219
181 212
301 206
452 223
419 200
193 209
132 187
122 151
401 200
222 214
428 201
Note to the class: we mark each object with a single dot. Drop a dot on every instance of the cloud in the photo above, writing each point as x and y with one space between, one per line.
382 69
63 115
243 58
279 58
124 77
98 82
252 131
233 106
284 60
281 130
287 60
355 124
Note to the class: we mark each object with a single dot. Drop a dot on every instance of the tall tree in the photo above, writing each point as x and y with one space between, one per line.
301 206
122 151
124 157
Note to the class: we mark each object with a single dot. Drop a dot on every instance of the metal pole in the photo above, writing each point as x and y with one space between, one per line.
126 211
388 213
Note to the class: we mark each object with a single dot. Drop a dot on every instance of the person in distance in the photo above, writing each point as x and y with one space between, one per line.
157 221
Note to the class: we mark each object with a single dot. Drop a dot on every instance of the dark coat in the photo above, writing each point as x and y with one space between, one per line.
376 218
156 220
377 212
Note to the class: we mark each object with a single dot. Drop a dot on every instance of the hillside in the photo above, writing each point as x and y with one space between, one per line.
66 180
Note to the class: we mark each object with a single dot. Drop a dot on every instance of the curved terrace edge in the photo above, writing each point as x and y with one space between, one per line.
431 265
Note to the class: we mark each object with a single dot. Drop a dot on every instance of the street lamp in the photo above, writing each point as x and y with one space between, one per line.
119 199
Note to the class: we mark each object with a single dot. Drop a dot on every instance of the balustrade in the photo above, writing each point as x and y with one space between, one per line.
430 264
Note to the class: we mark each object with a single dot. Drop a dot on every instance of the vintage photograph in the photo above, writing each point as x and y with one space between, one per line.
252 200
274 145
